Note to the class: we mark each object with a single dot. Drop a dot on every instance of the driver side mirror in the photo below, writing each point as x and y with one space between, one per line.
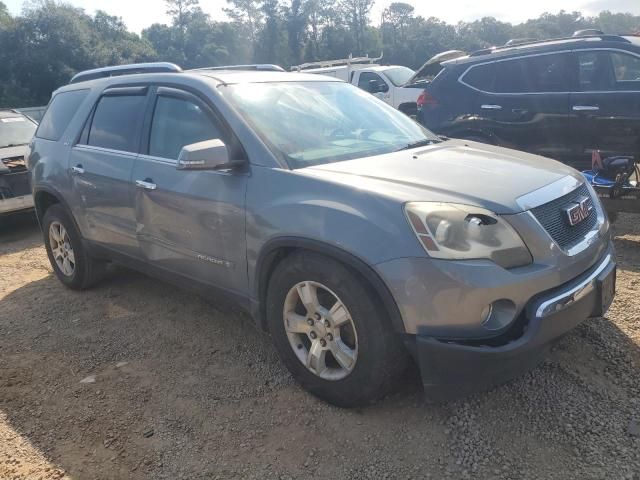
207 155
376 86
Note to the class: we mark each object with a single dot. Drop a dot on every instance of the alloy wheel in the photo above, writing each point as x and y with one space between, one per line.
61 248
320 330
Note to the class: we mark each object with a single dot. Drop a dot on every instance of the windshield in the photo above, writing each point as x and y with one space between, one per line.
15 131
313 123
399 75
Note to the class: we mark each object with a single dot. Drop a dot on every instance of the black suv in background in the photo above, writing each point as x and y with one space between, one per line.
560 98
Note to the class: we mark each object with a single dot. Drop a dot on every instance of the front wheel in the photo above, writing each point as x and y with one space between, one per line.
331 331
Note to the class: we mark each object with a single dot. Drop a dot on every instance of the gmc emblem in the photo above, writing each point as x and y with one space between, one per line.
578 211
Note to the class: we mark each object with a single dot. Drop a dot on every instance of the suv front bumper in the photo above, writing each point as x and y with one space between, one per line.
455 368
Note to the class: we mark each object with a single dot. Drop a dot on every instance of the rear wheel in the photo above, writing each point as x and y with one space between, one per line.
69 259
331 331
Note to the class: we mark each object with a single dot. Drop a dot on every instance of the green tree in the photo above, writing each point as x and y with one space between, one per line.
357 13
248 16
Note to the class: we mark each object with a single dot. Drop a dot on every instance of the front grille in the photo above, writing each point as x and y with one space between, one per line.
553 218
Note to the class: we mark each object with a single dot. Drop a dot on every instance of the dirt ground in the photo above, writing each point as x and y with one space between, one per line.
135 379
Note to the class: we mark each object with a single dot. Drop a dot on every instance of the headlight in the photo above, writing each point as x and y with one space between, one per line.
461 232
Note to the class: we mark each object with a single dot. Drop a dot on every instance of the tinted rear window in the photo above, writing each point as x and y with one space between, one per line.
116 122
481 77
510 77
535 74
549 73
59 113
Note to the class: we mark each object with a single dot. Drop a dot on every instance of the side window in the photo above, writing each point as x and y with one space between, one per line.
178 122
59 113
549 73
116 122
626 68
481 77
366 77
510 76
595 72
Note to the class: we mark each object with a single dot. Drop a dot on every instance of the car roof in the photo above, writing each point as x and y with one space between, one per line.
217 77
228 77
551 45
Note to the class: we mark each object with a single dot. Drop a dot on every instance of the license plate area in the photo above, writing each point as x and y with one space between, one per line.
606 284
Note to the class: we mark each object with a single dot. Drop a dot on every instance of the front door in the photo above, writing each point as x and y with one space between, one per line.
374 84
101 164
189 222
606 109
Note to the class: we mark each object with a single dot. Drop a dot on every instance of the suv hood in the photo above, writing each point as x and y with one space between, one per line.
453 171
433 65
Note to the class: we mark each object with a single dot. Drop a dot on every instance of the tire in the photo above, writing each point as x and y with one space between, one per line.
378 353
80 271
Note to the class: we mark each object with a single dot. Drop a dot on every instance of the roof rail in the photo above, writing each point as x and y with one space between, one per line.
336 63
116 70
262 67
575 38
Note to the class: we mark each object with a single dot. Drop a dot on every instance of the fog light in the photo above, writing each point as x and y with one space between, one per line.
498 314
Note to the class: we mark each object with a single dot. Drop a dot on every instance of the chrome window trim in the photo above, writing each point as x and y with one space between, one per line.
93 148
163 160
613 49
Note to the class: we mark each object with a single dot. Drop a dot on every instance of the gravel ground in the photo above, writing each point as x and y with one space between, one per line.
134 379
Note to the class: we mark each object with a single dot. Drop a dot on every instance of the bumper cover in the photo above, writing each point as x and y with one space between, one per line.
16 204
454 369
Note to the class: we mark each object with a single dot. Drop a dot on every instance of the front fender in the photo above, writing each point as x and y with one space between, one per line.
289 209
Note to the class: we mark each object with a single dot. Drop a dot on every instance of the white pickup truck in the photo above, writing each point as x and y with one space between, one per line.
396 85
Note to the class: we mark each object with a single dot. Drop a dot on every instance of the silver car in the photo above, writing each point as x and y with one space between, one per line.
357 238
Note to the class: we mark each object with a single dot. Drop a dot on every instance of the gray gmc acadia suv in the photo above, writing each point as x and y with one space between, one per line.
354 236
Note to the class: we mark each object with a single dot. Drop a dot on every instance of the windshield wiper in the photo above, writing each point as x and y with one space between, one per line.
419 143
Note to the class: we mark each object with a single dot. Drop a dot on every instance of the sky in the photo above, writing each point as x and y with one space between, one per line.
138 14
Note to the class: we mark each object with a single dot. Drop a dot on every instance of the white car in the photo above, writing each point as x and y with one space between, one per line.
394 84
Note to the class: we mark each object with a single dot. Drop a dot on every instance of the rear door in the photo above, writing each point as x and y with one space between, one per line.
606 109
189 222
526 101
101 164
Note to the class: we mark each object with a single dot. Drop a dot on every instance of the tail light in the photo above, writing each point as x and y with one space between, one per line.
426 99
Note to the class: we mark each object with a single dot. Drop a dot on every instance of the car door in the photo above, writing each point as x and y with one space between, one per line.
606 109
526 104
376 85
101 164
190 222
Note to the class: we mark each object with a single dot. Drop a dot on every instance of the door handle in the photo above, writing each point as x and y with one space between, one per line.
491 107
147 184
585 108
78 169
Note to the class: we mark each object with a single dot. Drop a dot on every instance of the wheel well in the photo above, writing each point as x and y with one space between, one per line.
272 259
43 200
